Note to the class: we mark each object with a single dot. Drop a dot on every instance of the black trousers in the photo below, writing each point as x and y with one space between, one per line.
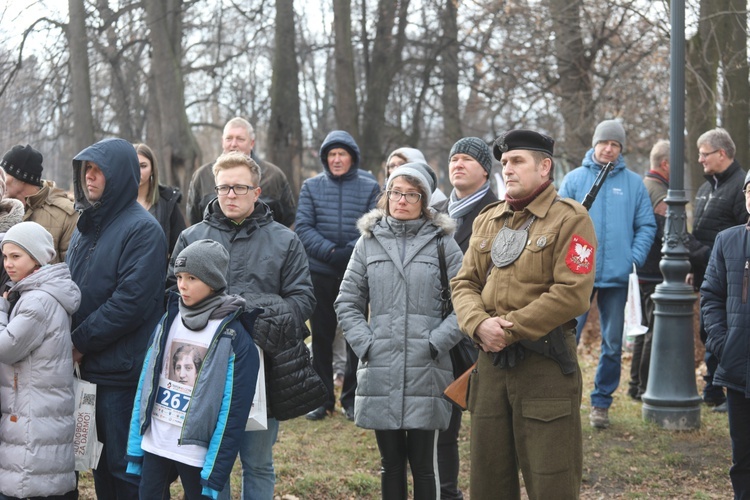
323 323
350 379
448 459
642 344
419 448
739 415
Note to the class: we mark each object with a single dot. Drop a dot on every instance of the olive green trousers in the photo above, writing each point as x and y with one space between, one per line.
526 417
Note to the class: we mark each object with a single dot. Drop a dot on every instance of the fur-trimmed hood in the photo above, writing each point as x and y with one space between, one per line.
367 222
11 213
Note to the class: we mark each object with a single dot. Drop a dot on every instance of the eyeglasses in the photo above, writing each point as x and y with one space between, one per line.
412 198
703 156
239 189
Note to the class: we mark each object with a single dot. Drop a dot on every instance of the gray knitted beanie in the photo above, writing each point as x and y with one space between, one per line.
33 239
207 260
609 130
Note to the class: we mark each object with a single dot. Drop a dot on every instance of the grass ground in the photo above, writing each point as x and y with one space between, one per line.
333 459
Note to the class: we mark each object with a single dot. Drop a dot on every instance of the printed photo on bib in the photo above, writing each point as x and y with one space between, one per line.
177 379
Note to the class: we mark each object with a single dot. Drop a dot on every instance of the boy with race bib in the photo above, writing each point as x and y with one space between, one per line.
197 383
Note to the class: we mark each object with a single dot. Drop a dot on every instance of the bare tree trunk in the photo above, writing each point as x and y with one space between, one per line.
285 128
449 97
700 83
385 63
178 150
574 89
346 87
736 102
119 89
83 122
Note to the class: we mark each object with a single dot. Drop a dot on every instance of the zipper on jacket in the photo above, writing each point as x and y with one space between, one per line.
745 280
13 416
210 350
157 356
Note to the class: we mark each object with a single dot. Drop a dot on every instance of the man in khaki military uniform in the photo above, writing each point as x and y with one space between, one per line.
529 271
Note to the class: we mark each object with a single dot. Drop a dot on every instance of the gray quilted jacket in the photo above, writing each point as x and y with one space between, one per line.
403 349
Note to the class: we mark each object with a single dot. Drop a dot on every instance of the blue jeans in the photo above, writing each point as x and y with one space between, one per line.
611 302
256 455
738 409
158 474
114 405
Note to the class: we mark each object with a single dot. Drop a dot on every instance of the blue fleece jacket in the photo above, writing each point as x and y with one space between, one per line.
623 218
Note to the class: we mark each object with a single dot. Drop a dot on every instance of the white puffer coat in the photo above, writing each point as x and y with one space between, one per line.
404 349
36 386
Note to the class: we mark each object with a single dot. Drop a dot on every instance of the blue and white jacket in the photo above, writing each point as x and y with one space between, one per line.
221 400
623 218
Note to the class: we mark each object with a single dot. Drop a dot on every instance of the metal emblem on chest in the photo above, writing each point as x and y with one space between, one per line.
509 243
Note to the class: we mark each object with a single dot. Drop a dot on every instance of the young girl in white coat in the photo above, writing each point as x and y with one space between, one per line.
36 368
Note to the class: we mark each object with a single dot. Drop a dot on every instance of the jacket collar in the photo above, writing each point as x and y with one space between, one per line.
718 179
37 199
539 207
653 174
261 216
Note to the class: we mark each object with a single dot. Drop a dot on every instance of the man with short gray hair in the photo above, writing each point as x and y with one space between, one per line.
239 135
723 187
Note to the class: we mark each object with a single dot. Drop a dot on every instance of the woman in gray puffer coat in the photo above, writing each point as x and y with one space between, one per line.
36 368
404 360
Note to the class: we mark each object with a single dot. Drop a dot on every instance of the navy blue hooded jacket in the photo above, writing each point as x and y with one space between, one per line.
726 309
329 206
118 258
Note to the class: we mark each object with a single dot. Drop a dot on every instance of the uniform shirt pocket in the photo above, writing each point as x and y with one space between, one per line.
536 260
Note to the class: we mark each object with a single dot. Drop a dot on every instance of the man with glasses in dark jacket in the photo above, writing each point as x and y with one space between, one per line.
268 268
719 205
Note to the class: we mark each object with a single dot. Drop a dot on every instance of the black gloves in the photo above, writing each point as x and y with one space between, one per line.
509 357
340 258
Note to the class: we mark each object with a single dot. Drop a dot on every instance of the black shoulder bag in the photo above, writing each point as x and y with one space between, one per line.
464 354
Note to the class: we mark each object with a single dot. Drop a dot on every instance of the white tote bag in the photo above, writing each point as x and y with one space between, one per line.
86 446
258 418
633 312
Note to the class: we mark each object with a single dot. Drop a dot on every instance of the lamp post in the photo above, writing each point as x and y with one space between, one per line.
671 398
